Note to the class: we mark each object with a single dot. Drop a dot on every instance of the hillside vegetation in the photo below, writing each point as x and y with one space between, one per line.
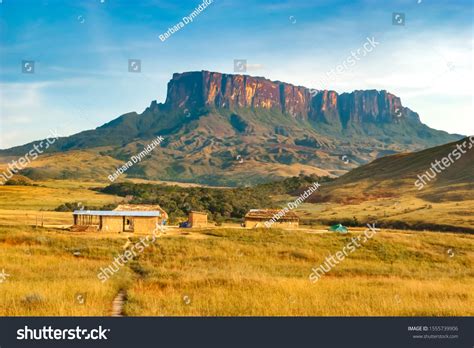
384 191
395 176
221 203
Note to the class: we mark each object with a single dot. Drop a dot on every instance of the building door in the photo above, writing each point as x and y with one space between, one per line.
128 224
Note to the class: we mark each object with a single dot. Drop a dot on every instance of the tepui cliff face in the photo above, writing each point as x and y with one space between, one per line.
192 90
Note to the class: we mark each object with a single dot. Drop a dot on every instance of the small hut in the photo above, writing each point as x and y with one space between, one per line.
125 218
197 219
271 218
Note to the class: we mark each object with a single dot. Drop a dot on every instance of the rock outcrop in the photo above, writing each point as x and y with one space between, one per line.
193 90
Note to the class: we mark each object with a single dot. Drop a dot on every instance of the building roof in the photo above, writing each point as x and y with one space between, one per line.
116 213
269 213
142 207
198 212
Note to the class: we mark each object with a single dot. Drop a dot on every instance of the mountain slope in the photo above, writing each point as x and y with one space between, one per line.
226 129
404 174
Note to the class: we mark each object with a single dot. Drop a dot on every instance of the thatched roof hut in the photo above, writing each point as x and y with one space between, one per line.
271 218
142 207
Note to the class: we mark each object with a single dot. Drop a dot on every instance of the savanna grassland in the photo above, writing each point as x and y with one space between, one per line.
226 272
261 272
402 212
47 271
34 205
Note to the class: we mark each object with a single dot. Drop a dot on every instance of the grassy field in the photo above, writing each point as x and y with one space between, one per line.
408 209
237 272
232 271
50 194
34 205
46 277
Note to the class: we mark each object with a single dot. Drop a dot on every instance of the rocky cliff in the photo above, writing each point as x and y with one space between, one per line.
193 90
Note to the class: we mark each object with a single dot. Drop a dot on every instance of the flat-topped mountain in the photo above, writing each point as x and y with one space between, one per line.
195 90
225 129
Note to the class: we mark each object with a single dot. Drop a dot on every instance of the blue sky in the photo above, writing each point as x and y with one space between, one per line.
81 51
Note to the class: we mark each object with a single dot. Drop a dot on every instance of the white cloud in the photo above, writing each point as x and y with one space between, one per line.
24 113
431 72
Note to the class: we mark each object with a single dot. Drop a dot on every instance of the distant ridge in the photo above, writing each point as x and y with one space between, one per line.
397 175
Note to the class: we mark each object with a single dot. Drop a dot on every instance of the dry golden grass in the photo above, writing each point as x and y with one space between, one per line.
409 209
45 276
51 194
34 205
237 272
225 272
232 271
355 296
35 218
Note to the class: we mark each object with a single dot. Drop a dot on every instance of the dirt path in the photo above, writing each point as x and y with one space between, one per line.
117 304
